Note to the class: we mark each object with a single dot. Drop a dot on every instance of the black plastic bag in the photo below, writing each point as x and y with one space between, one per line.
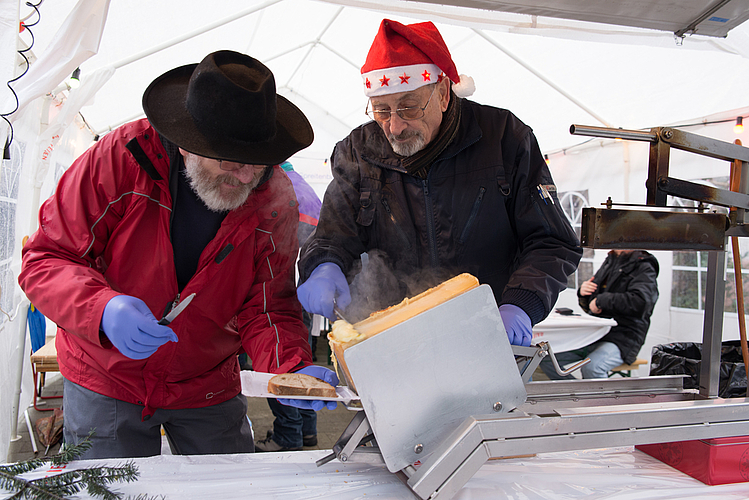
685 358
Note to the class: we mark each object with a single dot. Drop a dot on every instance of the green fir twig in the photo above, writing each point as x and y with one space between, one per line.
94 480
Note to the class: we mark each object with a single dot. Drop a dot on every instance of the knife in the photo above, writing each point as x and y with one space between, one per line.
175 312
338 312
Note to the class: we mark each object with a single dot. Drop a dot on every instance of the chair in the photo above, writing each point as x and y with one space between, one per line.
42 361
625 370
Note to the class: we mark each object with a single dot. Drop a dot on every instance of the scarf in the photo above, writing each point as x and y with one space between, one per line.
419 163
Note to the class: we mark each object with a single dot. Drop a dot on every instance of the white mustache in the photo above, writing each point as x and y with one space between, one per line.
405 135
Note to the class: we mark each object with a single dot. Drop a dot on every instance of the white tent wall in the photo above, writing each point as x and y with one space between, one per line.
31 148
550 72
8 21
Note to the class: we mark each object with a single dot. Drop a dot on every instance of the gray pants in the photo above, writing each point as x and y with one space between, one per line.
120 432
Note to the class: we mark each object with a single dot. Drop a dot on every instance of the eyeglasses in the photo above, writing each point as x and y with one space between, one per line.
231 166
410 113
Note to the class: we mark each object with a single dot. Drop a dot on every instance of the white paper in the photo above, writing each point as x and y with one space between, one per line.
255 385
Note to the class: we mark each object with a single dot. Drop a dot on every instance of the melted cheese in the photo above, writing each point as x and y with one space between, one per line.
343 332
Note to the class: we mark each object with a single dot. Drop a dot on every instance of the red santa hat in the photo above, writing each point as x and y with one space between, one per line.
406 57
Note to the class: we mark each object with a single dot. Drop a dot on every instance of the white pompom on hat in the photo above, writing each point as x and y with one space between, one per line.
465 87
406 57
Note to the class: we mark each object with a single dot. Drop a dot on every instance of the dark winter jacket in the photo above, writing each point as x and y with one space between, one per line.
480 211
627 292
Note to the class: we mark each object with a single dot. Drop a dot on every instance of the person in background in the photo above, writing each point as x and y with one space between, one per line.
625 289
438 185
189 200
293 427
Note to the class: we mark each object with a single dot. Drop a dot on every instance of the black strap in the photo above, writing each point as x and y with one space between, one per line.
143 160
223 253
503 183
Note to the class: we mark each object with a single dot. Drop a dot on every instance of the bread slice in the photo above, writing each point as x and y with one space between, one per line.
299 384
345 335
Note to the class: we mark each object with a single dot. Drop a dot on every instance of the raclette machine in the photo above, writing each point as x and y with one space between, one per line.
435 414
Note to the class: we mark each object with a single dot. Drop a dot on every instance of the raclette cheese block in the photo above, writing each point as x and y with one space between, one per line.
345 335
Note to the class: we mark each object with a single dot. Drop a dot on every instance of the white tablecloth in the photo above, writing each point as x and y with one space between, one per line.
604 474
567 333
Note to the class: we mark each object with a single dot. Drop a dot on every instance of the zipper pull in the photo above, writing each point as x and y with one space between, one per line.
387 206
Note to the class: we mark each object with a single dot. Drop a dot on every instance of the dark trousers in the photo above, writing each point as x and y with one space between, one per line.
120 432
291 424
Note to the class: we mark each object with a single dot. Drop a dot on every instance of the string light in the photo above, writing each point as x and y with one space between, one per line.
74 80
739 127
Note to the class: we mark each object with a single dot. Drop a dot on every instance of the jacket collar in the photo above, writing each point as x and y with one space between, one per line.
378 151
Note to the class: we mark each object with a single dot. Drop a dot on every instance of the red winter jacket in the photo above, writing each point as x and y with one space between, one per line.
106 232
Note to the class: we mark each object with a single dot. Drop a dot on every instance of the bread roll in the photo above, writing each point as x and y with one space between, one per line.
299 384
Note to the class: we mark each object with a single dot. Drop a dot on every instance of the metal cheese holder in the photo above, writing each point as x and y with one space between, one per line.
445 388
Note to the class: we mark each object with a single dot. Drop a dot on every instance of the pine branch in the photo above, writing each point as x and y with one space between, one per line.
70 453
61 486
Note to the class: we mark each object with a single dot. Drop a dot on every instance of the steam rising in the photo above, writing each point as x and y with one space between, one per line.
376 286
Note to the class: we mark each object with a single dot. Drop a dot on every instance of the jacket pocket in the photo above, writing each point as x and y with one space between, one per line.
548 211
398 229
472 217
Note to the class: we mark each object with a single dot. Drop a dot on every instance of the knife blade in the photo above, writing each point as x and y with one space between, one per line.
175 312
338 312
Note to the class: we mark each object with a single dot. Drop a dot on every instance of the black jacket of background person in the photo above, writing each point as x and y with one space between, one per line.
627 292
478 211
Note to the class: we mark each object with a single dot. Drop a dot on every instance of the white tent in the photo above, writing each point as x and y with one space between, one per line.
550 71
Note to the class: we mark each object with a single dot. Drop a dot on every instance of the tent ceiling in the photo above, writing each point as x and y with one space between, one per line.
713 18
623 77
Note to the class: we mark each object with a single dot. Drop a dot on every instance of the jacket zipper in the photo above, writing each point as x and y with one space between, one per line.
472 217
398 228
429 215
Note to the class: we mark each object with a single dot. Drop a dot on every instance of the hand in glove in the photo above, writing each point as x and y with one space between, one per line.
323 374
324 284
517 324
130 326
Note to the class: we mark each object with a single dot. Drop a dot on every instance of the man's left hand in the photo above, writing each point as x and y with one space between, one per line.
593 306
517 324
323 374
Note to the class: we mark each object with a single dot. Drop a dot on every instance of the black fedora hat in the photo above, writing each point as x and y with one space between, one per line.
226 108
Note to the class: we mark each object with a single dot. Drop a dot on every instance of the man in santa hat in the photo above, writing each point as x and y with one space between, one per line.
434 186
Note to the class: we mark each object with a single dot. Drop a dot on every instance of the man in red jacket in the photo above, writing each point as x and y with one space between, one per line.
189 201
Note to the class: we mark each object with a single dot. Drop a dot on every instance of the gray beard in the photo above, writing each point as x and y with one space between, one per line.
407 148
208 188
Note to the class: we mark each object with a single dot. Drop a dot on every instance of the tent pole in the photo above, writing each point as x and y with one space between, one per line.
192 34
543 78
317 40
20 324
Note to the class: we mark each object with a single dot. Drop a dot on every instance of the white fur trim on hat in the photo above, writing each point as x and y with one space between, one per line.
399 79
465 87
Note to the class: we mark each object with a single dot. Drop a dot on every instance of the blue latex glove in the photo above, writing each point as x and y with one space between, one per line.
325 283
517 324
323 374
128 323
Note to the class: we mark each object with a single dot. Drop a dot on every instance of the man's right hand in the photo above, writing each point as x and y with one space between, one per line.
588 287
128 323
324 284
